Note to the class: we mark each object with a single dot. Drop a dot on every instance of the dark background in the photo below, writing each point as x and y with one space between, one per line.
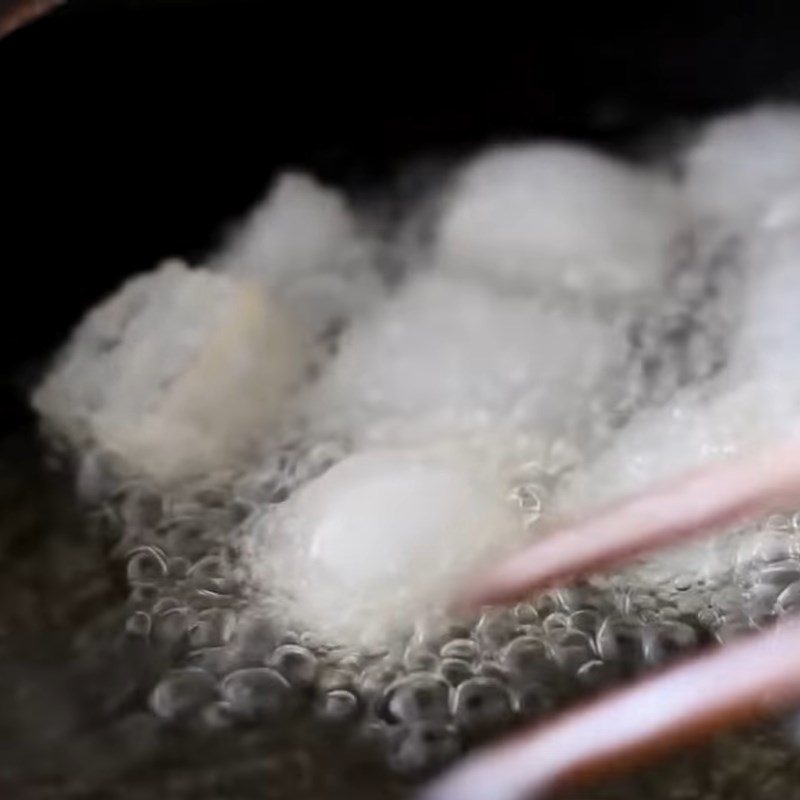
134 130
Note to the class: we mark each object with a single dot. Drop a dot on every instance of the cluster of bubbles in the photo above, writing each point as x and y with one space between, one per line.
769 575
226 662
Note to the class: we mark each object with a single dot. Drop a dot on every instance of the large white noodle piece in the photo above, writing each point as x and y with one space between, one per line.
178 373
378 540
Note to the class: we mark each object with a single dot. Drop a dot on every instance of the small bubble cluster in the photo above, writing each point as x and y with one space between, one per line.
446 686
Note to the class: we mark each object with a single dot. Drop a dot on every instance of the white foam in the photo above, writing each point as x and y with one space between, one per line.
745 173
767 338
752 403
453 358
304 245
538 216
742 162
